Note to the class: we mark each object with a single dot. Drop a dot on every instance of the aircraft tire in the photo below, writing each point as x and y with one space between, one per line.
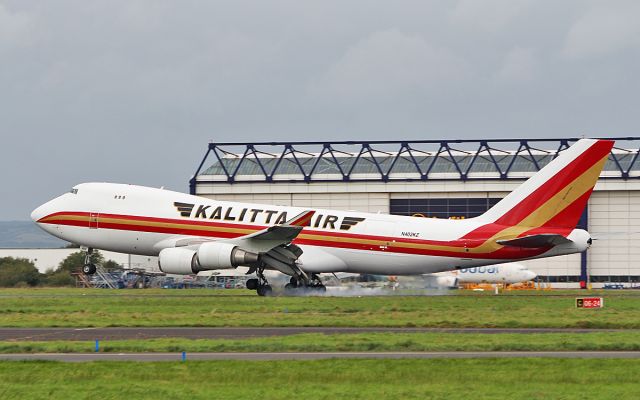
290 288
264 290
252 284
89 269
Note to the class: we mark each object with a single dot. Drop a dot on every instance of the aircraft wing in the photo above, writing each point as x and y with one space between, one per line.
534 241
274 243
273 236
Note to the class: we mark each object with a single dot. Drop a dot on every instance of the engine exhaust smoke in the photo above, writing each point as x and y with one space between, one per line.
359 291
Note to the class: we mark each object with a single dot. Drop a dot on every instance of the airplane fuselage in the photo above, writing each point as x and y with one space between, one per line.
141 220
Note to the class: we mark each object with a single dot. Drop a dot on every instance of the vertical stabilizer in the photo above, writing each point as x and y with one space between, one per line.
555 196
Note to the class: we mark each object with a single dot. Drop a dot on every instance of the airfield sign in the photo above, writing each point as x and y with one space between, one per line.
589 302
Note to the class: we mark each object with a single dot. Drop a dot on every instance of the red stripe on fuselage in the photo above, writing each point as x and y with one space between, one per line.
331 239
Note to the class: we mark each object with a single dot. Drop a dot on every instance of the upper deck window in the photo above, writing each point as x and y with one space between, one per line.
73 191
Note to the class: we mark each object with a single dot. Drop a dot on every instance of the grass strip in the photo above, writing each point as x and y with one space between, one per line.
596 341
104 308
324 379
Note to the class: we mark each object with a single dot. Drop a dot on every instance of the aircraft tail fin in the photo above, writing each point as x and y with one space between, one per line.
555 196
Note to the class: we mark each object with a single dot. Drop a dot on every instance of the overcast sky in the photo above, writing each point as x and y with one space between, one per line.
132 91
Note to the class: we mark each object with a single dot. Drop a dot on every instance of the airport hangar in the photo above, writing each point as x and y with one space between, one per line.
436 179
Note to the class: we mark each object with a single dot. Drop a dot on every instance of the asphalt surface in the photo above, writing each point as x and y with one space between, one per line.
126 333
82 357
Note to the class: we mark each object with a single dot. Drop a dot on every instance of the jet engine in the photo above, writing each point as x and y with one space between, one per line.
212 255
177 261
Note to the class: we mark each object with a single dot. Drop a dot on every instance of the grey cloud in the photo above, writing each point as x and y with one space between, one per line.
488 15
519 66
132 91
15 29
388 65
604 29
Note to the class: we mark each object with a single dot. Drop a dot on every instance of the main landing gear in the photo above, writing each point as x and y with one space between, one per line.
262 288
88 268
260 285
300 285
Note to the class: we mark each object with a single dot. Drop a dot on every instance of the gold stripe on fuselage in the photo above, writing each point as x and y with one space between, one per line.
538 217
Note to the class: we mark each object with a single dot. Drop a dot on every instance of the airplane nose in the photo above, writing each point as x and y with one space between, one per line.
38 213
531 275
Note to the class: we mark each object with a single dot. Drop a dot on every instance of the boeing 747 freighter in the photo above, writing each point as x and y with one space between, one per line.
190 234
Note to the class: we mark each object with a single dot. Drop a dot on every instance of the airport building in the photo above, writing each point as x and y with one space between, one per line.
435 179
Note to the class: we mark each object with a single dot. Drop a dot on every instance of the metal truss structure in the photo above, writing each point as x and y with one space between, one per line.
385 161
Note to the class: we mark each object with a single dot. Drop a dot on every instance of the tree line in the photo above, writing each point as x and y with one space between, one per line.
21 272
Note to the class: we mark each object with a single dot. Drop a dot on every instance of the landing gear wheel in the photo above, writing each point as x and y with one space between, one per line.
252 284
264 290
293 281
290 288
321 288
89 269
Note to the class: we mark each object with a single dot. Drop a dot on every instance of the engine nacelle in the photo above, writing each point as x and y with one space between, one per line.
177 261
217 255
212 255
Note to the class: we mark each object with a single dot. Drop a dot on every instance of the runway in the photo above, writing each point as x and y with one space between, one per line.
84 357
127 333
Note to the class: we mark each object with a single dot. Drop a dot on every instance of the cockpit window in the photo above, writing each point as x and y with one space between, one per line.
73 191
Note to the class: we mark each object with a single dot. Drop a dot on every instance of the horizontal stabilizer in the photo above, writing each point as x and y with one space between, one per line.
535 241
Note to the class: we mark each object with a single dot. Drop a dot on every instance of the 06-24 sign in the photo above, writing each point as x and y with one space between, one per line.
589 302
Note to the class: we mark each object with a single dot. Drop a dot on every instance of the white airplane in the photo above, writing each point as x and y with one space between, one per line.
191 234
508 273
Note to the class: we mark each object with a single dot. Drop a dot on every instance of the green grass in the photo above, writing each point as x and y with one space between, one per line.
103 308
595 341
324 379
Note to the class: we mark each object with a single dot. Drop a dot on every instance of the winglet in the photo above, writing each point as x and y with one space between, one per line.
302 219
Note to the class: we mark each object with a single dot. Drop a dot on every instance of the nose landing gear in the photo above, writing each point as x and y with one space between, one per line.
88 268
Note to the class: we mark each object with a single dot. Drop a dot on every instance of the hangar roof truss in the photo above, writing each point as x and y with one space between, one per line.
384 161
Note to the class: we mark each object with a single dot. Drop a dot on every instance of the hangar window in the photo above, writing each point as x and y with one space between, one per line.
457 208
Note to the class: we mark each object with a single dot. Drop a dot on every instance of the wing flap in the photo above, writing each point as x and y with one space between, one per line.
535 241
